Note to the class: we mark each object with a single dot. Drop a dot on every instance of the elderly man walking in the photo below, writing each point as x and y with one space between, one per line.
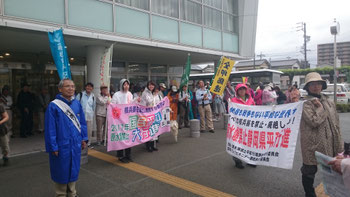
65 137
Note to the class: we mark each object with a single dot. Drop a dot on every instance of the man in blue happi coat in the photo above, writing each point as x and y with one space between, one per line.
65 137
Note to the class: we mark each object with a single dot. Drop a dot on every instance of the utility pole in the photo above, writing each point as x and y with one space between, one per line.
306 39
305 47
261 55
335 29
254 62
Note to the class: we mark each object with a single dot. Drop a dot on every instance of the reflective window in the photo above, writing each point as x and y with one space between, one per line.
191 11
141 4
115 82
175 70
230 6
118 66
166 7
230 23
138 80
212 18
158 69
138 68
158 79
213 3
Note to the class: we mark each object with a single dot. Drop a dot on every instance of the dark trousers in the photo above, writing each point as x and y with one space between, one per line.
308 176
184 111
226 105
26 122
195 111
237 161
150 144
124 153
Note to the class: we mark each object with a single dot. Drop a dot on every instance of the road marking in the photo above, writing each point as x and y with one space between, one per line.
320 191
161 176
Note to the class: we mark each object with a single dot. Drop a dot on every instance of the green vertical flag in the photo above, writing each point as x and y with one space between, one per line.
186 74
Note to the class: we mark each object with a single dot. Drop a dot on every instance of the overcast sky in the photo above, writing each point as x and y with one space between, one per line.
277 30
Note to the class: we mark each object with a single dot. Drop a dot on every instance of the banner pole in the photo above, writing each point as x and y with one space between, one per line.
215 70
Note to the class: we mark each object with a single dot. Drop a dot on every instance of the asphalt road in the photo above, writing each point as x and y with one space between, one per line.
203 161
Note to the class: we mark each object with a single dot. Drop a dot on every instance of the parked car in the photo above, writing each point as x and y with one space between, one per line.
343 93
302 92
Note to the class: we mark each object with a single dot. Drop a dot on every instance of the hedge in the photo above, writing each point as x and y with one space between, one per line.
343 108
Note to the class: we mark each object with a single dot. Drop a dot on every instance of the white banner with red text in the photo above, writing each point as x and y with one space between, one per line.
264 135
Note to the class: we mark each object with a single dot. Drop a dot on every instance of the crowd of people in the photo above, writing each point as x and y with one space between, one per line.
26 103
69 120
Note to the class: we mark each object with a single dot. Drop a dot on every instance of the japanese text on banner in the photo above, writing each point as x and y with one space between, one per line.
133 124
222 75
264 135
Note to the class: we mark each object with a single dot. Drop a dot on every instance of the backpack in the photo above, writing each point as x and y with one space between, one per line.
81 94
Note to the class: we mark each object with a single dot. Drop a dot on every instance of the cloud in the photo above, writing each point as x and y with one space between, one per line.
277 30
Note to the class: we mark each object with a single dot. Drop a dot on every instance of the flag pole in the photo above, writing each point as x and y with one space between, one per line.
216 69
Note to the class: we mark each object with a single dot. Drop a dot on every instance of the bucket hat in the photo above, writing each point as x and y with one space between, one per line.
314 76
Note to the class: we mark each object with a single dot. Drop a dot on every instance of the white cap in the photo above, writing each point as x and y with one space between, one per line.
174 88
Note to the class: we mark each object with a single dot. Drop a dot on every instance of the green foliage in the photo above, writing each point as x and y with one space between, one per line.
322 71
343 108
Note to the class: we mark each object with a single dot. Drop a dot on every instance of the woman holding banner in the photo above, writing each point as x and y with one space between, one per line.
148 99
123 96
242 97
319 129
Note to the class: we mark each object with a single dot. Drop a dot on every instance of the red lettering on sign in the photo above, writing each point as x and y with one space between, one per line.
256 139
285 138
270 139
262 140
250 138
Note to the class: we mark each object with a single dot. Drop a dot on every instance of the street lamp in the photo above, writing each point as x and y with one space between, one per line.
335 29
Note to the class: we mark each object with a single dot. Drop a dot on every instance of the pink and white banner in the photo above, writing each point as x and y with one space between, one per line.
132 124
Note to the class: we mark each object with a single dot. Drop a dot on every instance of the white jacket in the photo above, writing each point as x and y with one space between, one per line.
147 98
122 97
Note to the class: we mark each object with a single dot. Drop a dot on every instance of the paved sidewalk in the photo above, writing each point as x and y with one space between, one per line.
201 161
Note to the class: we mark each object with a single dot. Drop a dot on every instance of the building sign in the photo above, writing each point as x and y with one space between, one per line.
222 75
264 135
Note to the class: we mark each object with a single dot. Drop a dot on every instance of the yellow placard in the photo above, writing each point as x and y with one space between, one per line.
245 80
222 76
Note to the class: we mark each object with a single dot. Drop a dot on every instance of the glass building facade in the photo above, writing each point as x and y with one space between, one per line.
183 22
207 28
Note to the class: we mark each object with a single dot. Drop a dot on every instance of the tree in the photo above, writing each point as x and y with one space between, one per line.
322 71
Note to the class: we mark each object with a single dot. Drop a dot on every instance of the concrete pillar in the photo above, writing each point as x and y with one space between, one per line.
94 55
